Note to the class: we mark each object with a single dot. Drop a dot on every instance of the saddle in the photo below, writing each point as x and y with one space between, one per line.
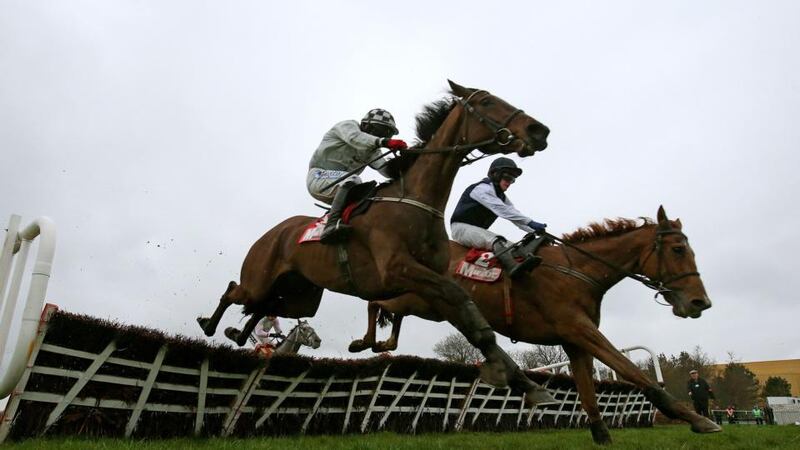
358 202
482 265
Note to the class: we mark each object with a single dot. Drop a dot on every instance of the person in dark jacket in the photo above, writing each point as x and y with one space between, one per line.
699 392
481 204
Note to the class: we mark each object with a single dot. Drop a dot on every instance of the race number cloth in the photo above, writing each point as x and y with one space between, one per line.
479 265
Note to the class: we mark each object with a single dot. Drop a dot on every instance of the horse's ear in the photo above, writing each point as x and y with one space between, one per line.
458 90
663 221
678 223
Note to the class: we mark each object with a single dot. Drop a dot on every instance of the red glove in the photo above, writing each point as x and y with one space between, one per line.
394 144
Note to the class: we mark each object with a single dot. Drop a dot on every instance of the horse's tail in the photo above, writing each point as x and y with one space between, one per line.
384 317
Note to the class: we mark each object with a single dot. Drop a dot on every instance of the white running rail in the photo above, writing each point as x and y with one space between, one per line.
14 255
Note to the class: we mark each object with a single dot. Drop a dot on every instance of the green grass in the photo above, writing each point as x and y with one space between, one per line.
661 437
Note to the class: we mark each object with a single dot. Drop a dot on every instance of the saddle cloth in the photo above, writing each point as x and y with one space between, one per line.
359 198
479 265
313 231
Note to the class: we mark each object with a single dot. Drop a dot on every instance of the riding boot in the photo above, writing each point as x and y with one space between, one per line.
515 269
336 230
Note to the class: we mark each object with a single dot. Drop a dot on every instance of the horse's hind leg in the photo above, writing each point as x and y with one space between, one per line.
234 294
453 303
368 340
240 337
391 343
581 363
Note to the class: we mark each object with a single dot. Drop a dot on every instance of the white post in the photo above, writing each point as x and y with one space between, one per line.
44 228
5 269
653 356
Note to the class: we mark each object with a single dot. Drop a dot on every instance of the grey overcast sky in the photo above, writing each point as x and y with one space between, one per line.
164 137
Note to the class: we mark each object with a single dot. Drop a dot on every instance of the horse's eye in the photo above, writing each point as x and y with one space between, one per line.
680 250
486 102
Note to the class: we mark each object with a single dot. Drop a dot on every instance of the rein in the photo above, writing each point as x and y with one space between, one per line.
658 284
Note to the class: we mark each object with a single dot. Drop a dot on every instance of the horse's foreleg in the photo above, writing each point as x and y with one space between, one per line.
453 303
368 340
589 338
391 343
240 337
581 363
231 295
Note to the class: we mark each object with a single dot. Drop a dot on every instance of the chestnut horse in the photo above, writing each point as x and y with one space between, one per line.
559 303
400 244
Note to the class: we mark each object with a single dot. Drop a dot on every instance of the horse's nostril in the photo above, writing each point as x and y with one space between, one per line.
700 303
538 131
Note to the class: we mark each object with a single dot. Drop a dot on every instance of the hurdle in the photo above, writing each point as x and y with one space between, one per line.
72 374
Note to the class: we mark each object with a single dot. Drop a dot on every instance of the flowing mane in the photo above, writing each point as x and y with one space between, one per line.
431 118
606 228
427 122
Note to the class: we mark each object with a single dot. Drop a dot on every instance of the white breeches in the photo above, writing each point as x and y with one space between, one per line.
472 236
319 179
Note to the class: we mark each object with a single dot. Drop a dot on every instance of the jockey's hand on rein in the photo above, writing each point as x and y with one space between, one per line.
394 144
538 227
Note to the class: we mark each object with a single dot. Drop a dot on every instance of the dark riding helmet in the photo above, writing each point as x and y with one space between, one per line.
379 121
501 166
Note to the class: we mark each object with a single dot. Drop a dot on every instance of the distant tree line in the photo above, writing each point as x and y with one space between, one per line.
734 385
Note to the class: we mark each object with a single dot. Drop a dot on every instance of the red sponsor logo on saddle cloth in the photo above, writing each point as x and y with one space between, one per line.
479 265
313 231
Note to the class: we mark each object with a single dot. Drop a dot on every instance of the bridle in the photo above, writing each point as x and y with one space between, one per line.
502 136
498 128
659 283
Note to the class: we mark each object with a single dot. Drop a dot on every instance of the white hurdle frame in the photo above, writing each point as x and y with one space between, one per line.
15 254
625 351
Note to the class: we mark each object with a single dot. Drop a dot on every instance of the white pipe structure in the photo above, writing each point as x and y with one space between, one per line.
624 351
19 244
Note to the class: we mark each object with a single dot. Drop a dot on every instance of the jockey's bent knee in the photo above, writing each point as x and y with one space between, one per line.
472 236
318 180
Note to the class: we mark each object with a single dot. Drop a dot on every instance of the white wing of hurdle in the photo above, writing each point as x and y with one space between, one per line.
625 351
14 255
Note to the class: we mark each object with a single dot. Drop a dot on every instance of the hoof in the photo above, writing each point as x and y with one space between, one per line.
600 434
384 346
705 425
494 374
233 334
538 395
358 345
204 325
